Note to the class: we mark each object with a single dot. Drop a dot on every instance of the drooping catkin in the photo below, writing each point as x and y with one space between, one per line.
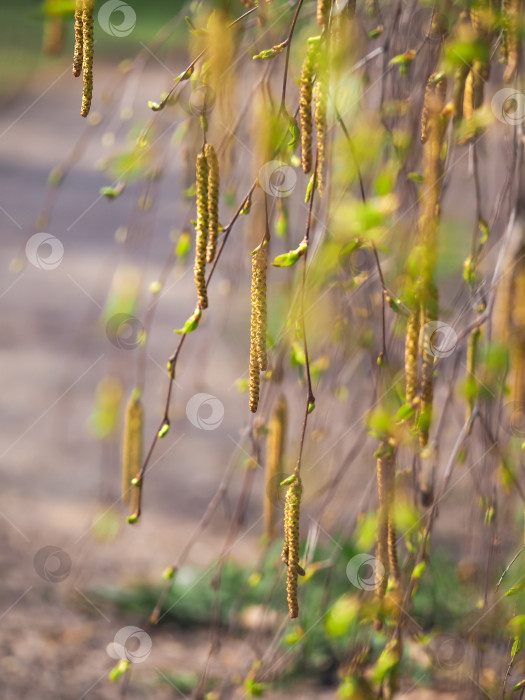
468 96
87 56
258 356
460 78
411 356
132 444
428 314
255 385
433 102
390 485
201 231
305 108
275 442
53 35
383 478
79 38
213 201
290 553
425 110
510 21
321 99
426 291
323 12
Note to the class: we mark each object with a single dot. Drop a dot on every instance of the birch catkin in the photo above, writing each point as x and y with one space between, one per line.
411 356
323 12
213 201
321 97
258 358
460 78
274 465
87 56
510 18
79 38
53 35
382 466
132 444
305 108
201 231
290 553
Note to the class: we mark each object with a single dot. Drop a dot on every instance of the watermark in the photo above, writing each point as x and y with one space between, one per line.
130 644
448 652
52 564
366 572
124 331
277 178
513 418
201 101
45 251
205 411
438 338
508 105
108 18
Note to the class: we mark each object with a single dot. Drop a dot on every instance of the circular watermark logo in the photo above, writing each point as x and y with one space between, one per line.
513 418
130 644
201 100
366 572
117 18
448 652
438 339
52 564
205 411
45 251
277 178
508 105
124 331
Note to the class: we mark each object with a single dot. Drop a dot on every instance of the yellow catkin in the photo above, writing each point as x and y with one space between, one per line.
468 96
255 385
382 565
258 356
213 201
132 444
201 238
460 78
79 38
411 356
87 56
428 314
323 12
53 35
427 294
386 534
511 16
305 109
290 553
433 102
321 97
275 442
424 111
